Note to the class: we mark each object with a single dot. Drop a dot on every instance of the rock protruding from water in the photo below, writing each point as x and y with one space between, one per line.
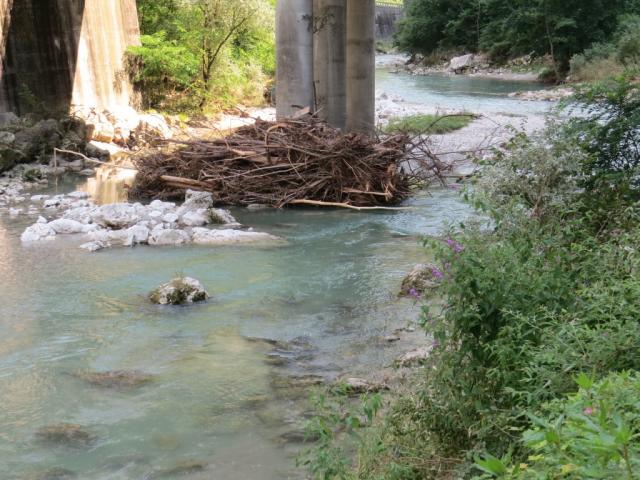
358 386
66 434
414 357
179 291
421 278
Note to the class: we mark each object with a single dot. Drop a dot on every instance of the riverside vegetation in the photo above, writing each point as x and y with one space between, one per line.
534 324
590 39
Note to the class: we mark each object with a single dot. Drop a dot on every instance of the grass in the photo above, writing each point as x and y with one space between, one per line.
429 123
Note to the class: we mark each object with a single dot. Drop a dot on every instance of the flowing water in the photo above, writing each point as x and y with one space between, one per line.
219 405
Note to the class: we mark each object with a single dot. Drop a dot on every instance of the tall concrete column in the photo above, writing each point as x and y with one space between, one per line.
361 65
294 52
330 48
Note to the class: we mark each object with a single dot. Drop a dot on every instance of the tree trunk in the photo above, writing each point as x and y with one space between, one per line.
294 51
361 65
330 51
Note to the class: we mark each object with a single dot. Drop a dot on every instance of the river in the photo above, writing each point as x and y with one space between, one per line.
218 405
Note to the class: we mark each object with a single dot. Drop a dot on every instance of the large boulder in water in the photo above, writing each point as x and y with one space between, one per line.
179 291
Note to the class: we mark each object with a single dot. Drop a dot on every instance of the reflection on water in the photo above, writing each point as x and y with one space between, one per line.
111 182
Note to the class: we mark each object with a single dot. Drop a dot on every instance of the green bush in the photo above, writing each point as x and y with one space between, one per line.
594 434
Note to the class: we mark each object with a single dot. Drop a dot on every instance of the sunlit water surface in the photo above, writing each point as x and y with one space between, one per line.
213 405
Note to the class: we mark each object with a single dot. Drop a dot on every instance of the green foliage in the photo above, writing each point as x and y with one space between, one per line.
337 424
428 123
545 292
593 434
508 28
203 54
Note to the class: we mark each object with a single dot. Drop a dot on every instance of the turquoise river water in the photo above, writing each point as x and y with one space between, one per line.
217 405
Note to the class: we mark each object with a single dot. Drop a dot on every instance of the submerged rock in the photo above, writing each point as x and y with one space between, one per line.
185 467
67 434
179 291
116 378
54 473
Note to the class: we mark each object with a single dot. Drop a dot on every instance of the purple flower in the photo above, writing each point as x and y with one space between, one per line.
437 274
414 293
589 411
455 246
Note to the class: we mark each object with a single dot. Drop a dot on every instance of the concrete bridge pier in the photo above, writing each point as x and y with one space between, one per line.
343 58
330 51
294 52
361 66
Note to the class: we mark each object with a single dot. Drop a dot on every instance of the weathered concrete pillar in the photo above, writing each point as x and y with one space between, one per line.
361 65
330 48
294 52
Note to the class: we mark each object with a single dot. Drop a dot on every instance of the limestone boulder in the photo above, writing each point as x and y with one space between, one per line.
37 232
66 226
169 236
461 63
116 215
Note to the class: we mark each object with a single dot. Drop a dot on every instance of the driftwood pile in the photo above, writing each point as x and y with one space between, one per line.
294 162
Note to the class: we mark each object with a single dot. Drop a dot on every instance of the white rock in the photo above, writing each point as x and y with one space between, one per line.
93 246
36 232
153 126
162 206
139 233
170 218
99 235
123 238
41 219
195 218
116 215
169 237
195 200
205 236
79 195
52 203
80 214
15 211
66 226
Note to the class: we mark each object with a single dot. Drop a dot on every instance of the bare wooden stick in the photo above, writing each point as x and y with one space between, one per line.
318 203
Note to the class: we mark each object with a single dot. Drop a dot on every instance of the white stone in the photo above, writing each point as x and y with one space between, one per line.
123 238
169 237
41 219
205 236
15 211
93 246
139 233
79 195
162 206
36 232
458 64
195 218
80 214
414 357
170 218
66 226
153 126
116 215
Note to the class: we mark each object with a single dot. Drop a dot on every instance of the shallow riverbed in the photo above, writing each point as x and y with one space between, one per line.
219 403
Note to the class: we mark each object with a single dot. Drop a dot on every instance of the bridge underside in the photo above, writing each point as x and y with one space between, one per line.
62 55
